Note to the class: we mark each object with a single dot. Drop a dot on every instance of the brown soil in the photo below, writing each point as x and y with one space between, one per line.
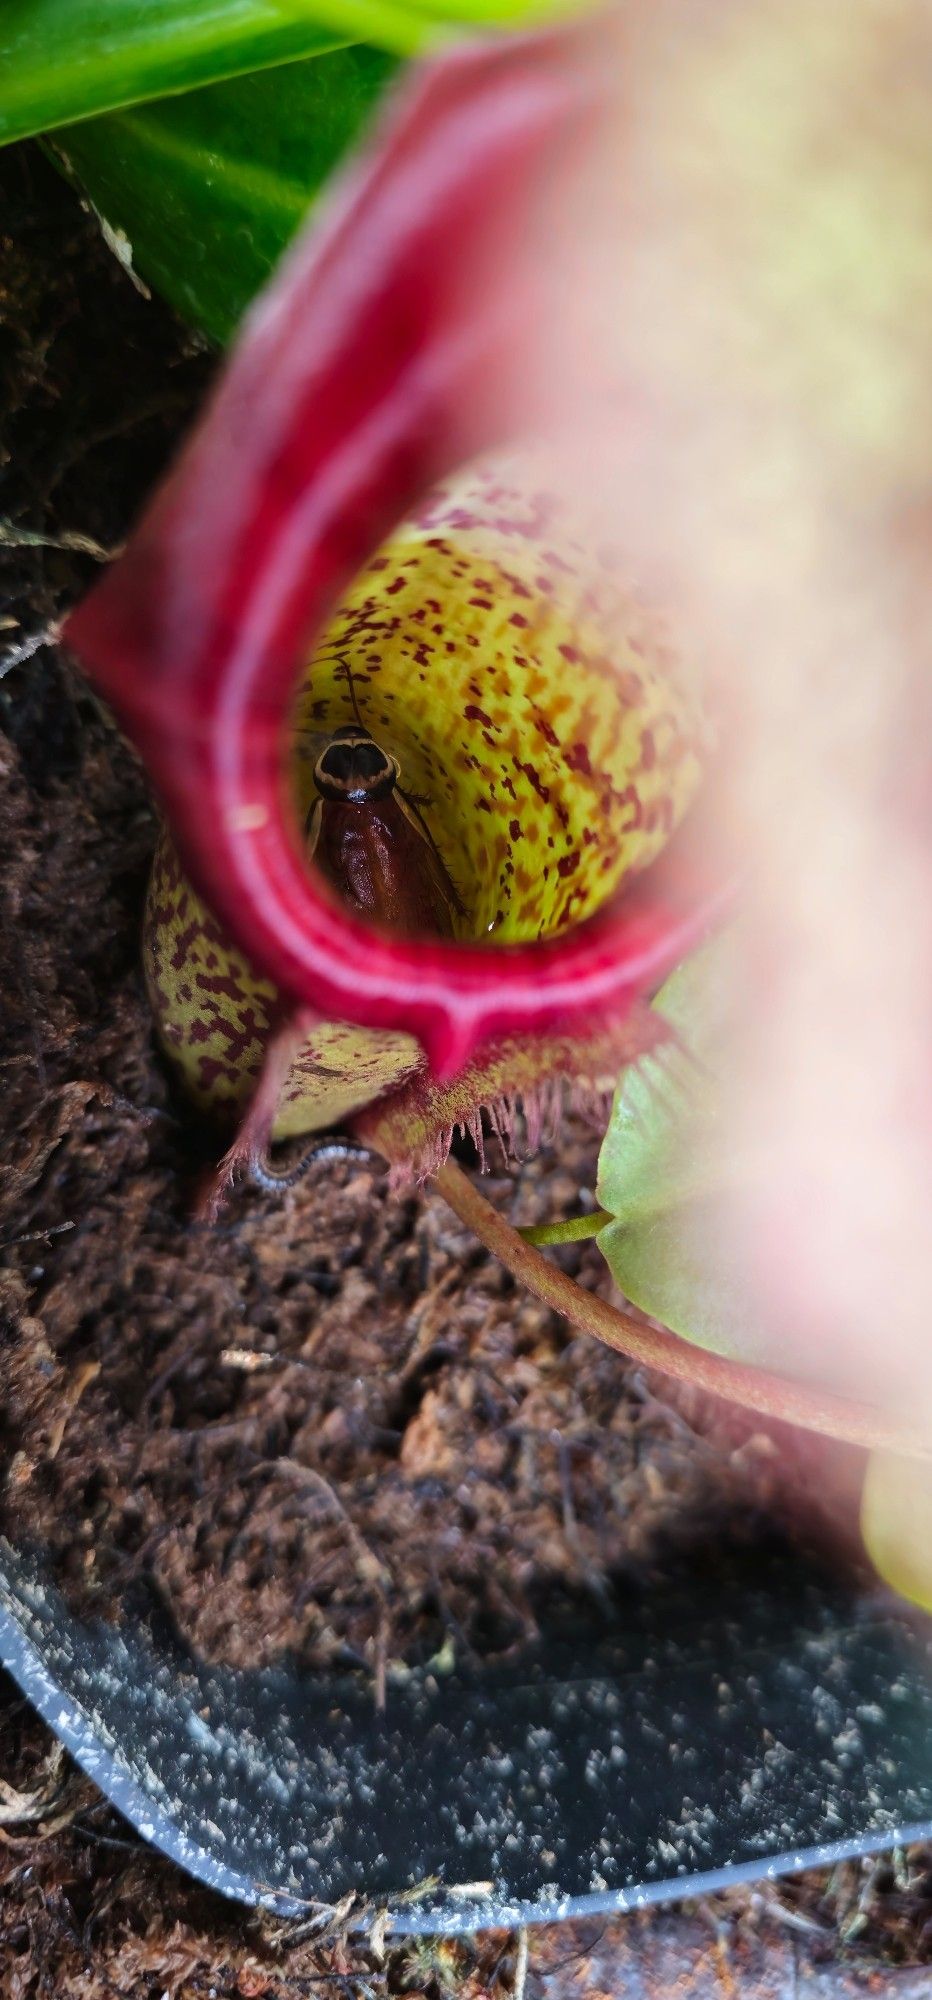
328 1424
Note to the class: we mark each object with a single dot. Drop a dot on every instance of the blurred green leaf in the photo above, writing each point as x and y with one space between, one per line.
206 189
61 60
664 1168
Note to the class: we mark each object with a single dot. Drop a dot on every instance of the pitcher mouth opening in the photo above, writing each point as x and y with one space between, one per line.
532 708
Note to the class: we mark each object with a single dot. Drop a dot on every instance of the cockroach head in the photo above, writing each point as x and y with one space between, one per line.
353 769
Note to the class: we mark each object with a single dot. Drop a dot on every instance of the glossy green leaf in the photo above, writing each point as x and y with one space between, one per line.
664 1169
61 60
205 190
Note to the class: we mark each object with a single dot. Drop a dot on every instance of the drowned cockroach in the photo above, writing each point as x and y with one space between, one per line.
369 839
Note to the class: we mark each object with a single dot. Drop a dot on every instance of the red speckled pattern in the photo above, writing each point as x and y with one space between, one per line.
387 349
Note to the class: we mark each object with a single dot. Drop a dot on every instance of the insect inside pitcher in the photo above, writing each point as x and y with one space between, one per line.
369 838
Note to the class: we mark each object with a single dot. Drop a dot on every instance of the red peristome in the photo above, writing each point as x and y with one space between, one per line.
388 349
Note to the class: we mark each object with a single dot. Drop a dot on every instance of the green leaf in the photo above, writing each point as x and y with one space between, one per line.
896 1523
61 60
664 1169
207 189
67 59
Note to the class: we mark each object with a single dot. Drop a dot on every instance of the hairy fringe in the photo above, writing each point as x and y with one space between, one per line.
520 1123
